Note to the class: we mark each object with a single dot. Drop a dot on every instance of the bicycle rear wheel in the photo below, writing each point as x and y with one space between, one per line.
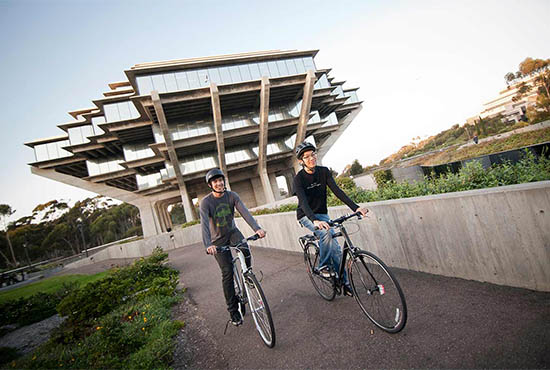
325 287
377 292
260 310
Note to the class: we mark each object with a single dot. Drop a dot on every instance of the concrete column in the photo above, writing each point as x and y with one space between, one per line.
323 150
187 206
304 112
257 186
274 186
289 177
217 116
262 141
149 220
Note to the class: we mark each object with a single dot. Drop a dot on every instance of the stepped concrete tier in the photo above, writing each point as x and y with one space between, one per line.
151 139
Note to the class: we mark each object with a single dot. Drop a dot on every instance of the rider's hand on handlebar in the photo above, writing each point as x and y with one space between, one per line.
211 250
321 225
363 211
261 233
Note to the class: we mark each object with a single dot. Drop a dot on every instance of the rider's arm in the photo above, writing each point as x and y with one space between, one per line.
245 213
302 198
340 193
205 224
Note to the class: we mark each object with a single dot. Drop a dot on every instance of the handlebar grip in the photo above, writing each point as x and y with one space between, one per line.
254 237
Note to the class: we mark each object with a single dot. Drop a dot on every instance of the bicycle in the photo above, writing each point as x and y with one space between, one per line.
248 290
374 286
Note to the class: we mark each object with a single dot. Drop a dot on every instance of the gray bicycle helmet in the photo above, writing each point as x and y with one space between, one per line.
212 174
303 147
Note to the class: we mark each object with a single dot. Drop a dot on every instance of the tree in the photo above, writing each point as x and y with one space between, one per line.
540 69
356 168
5 213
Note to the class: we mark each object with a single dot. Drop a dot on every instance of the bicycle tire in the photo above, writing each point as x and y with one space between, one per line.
325 287
259 310
239 292
378 292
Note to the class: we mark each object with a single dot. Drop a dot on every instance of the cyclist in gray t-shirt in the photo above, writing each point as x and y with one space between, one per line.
217 211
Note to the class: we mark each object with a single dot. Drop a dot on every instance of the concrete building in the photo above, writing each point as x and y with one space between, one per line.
512 111
151 139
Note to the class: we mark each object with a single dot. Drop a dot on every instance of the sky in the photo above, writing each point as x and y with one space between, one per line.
421 66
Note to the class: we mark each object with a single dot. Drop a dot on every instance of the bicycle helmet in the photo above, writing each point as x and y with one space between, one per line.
212 174
303 147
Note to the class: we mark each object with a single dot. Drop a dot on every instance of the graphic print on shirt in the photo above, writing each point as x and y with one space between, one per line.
313 185
222 215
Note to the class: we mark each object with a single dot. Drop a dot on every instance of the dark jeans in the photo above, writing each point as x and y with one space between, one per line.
225 260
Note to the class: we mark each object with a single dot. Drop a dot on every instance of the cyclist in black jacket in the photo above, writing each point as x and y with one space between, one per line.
310 185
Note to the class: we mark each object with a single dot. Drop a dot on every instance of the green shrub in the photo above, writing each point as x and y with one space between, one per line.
190 223
147 276
382 177
136 335
471 176
37 307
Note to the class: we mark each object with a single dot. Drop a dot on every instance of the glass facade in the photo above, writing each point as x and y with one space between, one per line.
148 181
80 135
50 151
103 166
190 129
96 121
322 82
202 77
134 152
120 111
353 98
331 120
231 121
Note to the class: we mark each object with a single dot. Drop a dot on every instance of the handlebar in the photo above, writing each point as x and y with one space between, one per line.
223 248
340 220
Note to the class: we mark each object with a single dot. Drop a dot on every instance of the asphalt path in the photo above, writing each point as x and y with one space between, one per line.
452 323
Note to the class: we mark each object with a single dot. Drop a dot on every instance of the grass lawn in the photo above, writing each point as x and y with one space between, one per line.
494 146
49 285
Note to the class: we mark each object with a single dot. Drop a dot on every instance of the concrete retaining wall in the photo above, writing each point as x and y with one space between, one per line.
498 235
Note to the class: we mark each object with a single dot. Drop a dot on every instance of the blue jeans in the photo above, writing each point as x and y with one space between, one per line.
330 253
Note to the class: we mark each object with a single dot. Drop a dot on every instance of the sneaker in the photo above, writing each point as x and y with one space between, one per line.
348 291
325 272
236 318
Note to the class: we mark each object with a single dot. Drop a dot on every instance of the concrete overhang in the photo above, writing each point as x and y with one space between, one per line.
110 176
48 140
213 61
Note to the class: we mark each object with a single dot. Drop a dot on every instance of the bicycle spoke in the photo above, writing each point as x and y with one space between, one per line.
323 286
260 311
378 293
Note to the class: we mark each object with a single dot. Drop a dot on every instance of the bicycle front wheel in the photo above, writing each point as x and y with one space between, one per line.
239 290
377 292
323 286
260 310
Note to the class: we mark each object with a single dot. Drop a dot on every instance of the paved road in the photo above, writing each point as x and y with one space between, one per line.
453 323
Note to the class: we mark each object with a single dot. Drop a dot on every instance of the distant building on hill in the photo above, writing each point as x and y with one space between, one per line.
512 111
150 140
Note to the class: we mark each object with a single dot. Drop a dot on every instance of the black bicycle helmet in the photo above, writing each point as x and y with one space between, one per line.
212 174
303 147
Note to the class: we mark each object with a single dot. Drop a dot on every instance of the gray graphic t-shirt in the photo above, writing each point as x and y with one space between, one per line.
217 217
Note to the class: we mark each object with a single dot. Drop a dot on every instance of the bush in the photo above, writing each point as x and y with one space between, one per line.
39 306
383 177
145 277
471 176
136 335
122 321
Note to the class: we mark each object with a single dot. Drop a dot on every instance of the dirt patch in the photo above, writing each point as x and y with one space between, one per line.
27 338
195 347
